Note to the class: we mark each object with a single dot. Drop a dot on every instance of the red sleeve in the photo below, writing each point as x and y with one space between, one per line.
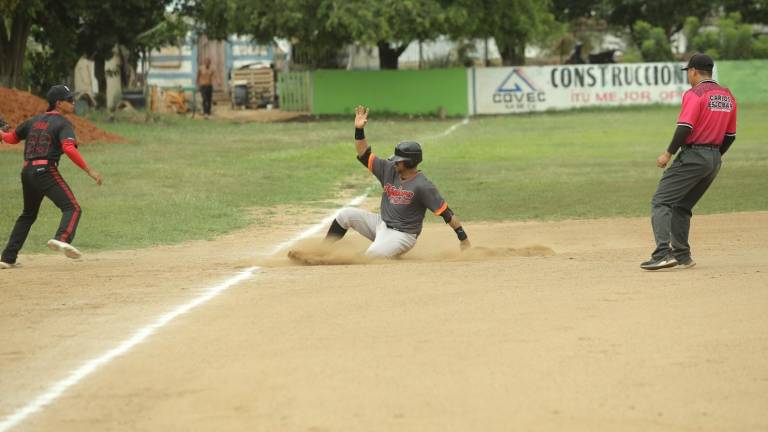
689 114
10 137
69 147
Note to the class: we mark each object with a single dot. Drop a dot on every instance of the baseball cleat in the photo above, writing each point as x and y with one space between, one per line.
69 250
686 264
659 263
5 266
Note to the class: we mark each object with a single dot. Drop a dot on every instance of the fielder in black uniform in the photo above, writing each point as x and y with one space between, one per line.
46 137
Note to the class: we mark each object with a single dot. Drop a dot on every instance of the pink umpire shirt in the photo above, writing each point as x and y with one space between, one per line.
710 111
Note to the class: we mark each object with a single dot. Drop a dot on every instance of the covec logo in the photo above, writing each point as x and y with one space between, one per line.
517 91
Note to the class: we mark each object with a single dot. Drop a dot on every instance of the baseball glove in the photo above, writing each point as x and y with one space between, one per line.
4 126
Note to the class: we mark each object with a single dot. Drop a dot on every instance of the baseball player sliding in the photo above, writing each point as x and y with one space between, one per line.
406 197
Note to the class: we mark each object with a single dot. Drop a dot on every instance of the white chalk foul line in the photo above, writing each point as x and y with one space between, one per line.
58 388
448 131
90 366
317 227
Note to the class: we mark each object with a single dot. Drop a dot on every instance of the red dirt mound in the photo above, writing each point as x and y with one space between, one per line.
17 106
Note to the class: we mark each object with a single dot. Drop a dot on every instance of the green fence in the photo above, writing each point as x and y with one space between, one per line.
747 79
435 90
400 91
295 90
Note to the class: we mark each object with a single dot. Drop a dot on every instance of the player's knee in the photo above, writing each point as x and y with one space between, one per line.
344 217
658 201
69 207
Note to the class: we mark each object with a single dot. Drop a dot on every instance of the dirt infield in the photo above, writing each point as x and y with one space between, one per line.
578 340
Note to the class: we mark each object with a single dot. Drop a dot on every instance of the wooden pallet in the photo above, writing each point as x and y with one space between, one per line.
261 84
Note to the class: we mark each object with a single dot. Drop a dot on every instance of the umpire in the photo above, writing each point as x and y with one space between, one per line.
46 137
706 128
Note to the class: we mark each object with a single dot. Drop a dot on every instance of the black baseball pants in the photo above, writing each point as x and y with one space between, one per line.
38 182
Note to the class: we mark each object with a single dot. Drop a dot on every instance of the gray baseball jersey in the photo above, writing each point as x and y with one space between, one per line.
404 202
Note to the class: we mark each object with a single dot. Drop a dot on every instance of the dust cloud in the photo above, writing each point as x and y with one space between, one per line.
315 253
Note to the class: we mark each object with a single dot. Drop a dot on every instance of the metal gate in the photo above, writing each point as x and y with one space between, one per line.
295 90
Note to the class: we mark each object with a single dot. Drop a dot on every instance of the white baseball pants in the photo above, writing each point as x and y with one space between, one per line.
386 241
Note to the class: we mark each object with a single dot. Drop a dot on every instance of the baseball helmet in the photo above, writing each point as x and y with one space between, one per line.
408 151
59 92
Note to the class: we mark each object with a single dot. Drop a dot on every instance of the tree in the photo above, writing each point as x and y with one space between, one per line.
311 26
106 24
513 24
572 10
389 24
668 15
752 11
652 41
214 18
53 61
730 39
15 27
760 47
319 29
403 23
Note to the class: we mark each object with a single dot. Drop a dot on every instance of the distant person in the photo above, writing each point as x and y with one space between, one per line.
205 76
46 137
575 57
706 128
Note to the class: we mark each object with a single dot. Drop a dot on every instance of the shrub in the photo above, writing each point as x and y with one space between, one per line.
653 42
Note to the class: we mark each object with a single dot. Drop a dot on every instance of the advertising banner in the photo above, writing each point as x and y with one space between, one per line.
541 88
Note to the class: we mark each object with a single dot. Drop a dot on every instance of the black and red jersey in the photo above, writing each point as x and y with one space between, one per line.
45 136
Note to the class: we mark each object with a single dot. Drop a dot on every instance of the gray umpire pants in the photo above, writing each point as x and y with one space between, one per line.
680 188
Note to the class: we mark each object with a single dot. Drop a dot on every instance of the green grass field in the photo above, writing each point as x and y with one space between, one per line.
179 179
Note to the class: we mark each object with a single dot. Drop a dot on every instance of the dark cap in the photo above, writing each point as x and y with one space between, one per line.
700 62
59 92
407 151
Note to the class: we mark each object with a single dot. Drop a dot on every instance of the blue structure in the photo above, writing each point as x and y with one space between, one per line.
176 66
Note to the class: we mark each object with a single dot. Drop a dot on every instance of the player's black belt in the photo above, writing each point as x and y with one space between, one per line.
396 229
709 146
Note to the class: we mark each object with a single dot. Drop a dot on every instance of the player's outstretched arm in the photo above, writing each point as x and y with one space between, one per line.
69 148
94 175
455 223
361 119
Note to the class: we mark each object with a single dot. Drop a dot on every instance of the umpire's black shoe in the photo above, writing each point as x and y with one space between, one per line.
659 263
